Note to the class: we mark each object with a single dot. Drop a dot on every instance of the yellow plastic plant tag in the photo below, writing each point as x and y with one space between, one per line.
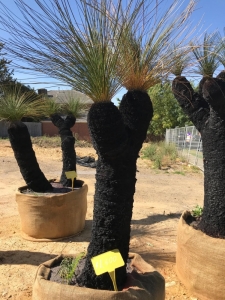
71 175
108 262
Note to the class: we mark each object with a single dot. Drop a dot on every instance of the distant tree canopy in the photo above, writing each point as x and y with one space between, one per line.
5 73
7 82
11 85
167 112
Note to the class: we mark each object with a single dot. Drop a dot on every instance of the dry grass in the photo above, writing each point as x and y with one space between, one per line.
55 141
165 157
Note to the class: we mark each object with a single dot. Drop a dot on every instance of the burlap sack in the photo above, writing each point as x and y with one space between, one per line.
146 285
200 262
54 216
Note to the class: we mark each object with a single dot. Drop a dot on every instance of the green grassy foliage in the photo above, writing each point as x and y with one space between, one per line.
160 153
15 105
68 266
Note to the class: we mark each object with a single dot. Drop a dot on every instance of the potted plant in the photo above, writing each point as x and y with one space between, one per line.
14 106
63 115
89 54
43 213
200 249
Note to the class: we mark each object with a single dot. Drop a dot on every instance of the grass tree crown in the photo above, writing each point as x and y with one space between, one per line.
146 48
15 105
106 45
206 54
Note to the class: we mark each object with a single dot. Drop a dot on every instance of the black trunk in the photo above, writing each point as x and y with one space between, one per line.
117 137
21 144
136 111
112 191
207 111
67 145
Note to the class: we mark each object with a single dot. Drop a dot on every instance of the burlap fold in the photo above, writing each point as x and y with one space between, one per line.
200 261
146 284
52 217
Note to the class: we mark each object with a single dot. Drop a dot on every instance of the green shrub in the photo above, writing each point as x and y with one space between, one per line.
150 151
160 154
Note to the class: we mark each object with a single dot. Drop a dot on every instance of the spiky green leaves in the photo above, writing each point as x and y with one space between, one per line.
15 105
104 45
206 54
74 106
180 59
68 105
146 45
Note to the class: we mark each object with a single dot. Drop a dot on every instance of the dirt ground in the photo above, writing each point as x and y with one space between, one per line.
159 200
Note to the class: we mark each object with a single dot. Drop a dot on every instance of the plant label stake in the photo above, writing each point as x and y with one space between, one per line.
71 175
108 262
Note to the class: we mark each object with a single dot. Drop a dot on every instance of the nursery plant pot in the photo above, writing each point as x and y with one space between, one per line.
48 217
200 261
144 284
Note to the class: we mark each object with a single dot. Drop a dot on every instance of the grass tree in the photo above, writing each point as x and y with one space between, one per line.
87 50
15 105
206 109
63 116
146 56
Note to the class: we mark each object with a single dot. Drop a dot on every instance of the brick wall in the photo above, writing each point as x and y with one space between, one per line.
80 129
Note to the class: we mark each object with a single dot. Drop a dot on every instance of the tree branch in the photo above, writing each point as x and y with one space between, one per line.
192 103
214 93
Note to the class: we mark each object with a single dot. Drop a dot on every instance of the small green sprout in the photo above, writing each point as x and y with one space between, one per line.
68 267
197 211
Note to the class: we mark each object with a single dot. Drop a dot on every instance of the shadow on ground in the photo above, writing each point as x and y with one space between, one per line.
18 257
156 218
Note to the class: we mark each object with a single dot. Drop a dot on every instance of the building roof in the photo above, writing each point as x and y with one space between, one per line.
63 95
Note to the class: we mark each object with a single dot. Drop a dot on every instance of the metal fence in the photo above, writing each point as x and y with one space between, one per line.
188 143
34 128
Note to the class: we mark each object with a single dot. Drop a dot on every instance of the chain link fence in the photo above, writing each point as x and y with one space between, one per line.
188 143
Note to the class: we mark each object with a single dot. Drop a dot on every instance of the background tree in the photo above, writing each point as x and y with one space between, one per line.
5 73
19 86
167 112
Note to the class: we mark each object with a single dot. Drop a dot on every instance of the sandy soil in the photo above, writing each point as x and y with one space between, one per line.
159 200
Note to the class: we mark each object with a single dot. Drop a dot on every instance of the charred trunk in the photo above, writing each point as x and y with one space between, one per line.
117 137
207 112
136 111
67 145
112 191
21 144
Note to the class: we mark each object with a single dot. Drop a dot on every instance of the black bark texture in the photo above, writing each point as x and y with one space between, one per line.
67 145
117 136
25 156
206 110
